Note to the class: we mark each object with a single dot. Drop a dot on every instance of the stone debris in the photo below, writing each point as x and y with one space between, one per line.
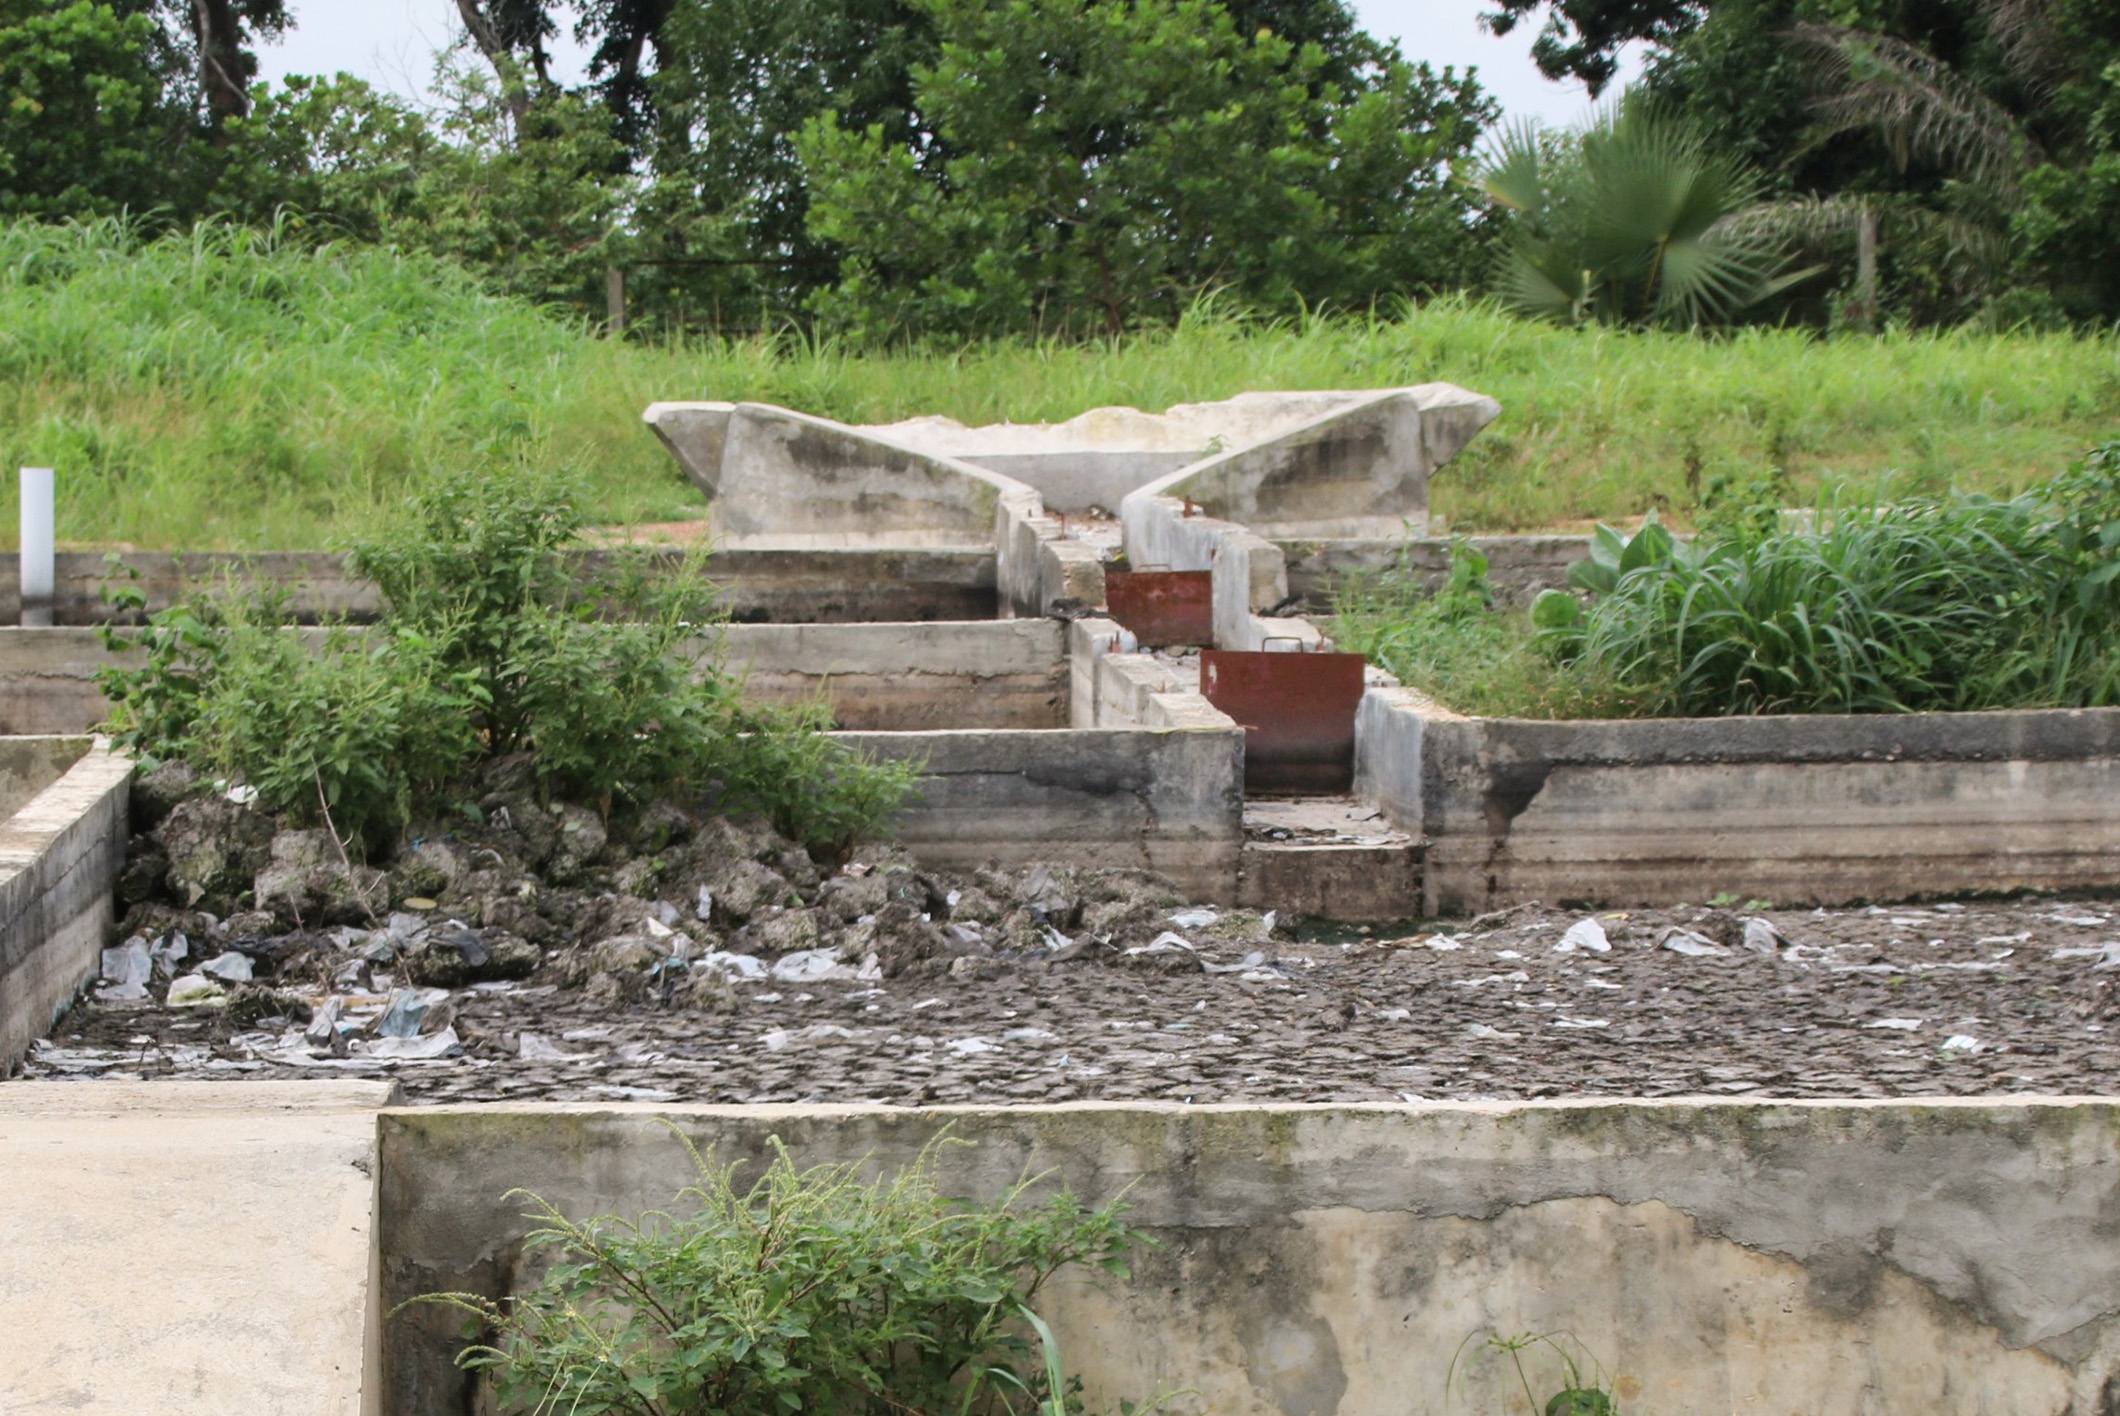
545 953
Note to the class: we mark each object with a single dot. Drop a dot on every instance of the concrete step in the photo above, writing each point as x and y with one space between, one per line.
1333 856
188 1248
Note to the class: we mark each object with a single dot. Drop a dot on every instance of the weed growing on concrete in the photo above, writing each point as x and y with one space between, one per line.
1578 1382
810 1290
498 640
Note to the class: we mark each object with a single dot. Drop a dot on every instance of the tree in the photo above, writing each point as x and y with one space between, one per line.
1092 164
1634 220
83 129
1581 38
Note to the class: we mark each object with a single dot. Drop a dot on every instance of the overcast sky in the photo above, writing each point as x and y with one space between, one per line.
391 43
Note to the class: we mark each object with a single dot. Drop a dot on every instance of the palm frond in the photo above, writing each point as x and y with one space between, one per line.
1919 104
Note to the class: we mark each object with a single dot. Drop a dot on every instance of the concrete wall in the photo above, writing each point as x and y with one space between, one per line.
1518 567
1811 809
982 674
1167 800
60 850
786 585
775 472
1250 577
1356 471
1945 1258
957 674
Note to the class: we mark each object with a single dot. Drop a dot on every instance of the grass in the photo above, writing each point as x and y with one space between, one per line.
223 390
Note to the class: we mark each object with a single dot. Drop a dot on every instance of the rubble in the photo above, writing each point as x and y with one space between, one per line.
544 952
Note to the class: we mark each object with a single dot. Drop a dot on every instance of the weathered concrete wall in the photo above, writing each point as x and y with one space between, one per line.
1810 809
1355 471
958 674
1830 1258
910 677
1518 567
1249 574
60 851
1097 457
1166 800
784 585
189 1248
785 474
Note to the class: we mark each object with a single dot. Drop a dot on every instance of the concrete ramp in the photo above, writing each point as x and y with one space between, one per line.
188 1247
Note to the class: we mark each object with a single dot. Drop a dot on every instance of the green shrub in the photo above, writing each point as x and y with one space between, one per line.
1920 604
809 1290
1459 648
499 636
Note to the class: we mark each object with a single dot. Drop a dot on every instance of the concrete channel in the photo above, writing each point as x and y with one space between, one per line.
1834 1258
235 1246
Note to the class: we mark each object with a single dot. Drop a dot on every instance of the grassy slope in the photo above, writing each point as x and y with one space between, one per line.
217 393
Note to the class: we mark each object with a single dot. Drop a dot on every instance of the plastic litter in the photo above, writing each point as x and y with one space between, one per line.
1584 934
1962 1042
230 967
196 991
1195 918
125 971
408 1010
1763 938
416 1049
534 1047
809 966
1895 1024
1693 946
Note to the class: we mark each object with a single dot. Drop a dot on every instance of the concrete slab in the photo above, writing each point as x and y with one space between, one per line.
188 1247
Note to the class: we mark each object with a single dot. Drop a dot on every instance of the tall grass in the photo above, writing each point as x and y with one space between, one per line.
225 388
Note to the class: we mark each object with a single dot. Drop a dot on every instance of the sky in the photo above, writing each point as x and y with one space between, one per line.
391 44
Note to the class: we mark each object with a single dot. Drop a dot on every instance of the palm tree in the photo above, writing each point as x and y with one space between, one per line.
1633 220
1923 110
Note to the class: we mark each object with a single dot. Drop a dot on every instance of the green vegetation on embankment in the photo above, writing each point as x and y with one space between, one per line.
217 390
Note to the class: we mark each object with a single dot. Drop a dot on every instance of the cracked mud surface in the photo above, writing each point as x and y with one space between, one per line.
1994 997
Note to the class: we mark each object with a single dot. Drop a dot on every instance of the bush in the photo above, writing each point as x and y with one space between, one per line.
807 1291
1457 646
1921 604
498 637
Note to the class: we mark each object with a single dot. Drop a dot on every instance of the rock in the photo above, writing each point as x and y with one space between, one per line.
787 930
426 870
743 887
517 822
229 967
907 946
308 882
1124 923
1047 893
215 850
156 794
972 905
146 866
710 990
627 953
796 867
250 924
580 840
847 898
453 956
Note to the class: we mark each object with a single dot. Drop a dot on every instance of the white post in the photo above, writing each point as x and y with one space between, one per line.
38 568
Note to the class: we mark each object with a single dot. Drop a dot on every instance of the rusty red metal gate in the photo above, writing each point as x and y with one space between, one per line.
1163 608
1297 711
